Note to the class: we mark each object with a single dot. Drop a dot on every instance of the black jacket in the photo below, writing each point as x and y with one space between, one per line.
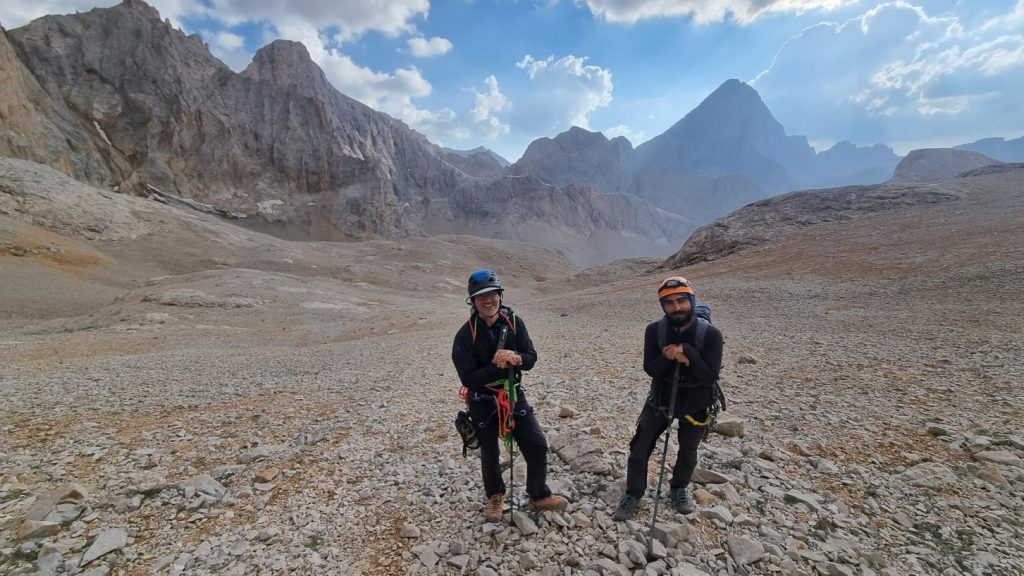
696 392
473 360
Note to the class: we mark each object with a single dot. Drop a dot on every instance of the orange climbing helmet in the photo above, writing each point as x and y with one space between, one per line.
676 285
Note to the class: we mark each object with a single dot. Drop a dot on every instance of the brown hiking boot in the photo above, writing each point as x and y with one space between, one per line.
495 508
551 502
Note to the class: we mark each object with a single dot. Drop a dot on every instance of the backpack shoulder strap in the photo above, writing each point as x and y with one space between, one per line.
662 332
702 330
505 312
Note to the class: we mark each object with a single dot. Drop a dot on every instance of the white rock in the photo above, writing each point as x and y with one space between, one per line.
1004 457
930 475
744 550
105 543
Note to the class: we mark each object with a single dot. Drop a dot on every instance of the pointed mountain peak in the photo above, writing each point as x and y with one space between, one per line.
285 63
577 135
141 8
735 95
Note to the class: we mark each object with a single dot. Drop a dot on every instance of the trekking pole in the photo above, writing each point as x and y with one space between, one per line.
512 447
664 453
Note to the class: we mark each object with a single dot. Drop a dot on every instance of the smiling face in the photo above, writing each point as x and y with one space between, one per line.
487 304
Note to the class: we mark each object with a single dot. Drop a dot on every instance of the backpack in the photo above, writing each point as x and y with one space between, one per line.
702 315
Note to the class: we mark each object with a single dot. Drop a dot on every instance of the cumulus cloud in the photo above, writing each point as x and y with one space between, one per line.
635 138
16 14
228 47
704 11
897 73
427 47
563 93
228 40
484 109
350 18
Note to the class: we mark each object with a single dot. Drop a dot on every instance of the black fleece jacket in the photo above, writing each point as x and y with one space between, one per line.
473 360
695 393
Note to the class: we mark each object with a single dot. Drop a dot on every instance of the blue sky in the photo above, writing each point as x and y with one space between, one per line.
502 73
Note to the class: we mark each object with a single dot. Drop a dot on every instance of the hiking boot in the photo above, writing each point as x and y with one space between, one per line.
627 505
495 508
681 501
550 502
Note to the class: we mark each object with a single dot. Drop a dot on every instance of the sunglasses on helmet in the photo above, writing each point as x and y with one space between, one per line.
673 283
481 276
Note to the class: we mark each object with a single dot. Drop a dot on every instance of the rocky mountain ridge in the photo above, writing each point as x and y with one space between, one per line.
726 153
928 164
119 99
765 221
998 148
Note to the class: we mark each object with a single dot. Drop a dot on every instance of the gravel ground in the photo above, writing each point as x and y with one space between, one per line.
243 414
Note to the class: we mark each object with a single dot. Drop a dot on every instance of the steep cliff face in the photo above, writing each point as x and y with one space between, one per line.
579 222
578 156
276 141
118 98
481 163
34 127
589 158
730 132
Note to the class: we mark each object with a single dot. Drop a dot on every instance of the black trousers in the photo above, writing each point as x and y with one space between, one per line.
528 436
649 427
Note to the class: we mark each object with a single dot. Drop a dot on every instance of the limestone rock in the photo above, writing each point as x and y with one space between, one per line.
744 550
107 542
732 427
930 475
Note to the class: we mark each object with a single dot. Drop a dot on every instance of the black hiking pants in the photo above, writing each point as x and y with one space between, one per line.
528 436
649 427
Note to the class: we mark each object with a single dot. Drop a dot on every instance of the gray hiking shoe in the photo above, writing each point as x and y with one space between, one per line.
627 505
681 501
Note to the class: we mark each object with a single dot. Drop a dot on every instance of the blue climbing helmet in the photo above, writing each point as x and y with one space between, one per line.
482 281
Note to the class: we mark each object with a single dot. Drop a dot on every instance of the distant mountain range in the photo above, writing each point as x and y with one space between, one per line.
727 152
118 98
998 148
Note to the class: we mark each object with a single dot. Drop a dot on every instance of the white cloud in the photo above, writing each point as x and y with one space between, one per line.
228 47
635 138
486 104
229 41
427 47
704 11
16 14
563 93
898 72
351 18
